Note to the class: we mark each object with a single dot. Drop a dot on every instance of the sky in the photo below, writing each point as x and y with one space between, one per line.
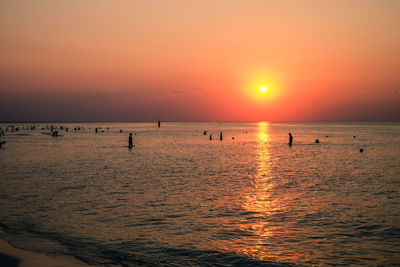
199 60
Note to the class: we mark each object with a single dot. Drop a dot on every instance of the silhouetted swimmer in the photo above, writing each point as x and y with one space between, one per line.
317 141
66 129
290 139
220 136
55 133
205 133
120 131
96 130
361 150
1 143
130 145
354 136
233 138
210 137
159 123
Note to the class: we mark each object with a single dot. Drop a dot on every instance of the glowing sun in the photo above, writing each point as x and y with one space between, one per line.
263 89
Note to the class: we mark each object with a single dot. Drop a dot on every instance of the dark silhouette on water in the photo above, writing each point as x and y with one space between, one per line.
1 143
205 133
290 139
55 134
220 136
210 137
159 123
361 150
130 143
96 130
317 141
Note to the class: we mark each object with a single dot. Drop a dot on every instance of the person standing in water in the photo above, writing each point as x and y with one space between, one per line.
159 123
220 136
290 139
130 141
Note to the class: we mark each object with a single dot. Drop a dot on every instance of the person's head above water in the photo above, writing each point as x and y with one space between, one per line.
130 134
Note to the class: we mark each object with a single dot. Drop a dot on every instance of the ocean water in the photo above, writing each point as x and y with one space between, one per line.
178 199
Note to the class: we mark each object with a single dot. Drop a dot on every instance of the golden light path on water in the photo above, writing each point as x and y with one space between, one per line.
260 202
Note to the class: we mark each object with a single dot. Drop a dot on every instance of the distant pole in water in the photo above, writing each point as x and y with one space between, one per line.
130 142
159 123
210 137
290 139
220 136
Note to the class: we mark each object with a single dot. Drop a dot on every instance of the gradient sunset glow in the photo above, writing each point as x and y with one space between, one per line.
199 60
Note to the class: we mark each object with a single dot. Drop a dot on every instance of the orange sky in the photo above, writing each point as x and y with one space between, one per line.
199 60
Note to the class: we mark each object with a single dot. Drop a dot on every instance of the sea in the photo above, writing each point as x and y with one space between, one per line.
177 198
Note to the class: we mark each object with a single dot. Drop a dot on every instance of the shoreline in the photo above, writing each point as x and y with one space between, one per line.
12 257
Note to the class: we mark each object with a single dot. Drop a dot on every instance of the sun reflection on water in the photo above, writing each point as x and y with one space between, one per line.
259 202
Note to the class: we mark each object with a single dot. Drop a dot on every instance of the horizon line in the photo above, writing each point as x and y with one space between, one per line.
195 121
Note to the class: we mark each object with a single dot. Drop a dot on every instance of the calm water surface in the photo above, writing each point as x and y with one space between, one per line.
179 199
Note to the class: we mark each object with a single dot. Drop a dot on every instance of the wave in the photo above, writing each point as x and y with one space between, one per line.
132 253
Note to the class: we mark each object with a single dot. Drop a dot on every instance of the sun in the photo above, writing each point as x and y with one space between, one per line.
263 89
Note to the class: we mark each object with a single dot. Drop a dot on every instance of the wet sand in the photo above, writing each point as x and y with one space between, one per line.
11 256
